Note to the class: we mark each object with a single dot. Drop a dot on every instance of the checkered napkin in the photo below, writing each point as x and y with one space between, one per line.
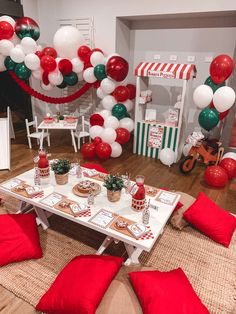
148 235
85 214
38 195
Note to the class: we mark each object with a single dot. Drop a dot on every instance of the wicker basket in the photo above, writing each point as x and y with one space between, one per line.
138 205
113 196
62 178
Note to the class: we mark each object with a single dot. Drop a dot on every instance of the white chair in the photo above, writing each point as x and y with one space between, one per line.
82 131
38 135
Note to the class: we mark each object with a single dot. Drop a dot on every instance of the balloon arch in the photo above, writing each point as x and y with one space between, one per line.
64 64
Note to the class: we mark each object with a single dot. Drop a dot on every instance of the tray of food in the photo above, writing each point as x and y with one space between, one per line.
84 187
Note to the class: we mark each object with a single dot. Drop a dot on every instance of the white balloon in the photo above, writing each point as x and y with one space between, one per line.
77 65
108 102
2 65
100 93
28 45
15 39
46 87
107 85
116 150
186 149
97 58
5 47
95 130
111 122
167 156
8 19
17 55
202 96
37 74
224 98
55 77
127 123
111 55
32 61
230 155
108 135
105 113
67 40
89 76
129 105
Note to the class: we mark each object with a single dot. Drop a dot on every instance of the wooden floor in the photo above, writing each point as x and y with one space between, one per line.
155 173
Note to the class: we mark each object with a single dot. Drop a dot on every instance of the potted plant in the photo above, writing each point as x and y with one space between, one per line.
61 169
114 185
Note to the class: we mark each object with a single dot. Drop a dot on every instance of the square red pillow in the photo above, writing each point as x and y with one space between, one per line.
212 220
166 292
80 286
19 238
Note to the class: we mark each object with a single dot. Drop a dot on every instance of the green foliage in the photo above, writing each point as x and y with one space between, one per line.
62 166
113 182
61 117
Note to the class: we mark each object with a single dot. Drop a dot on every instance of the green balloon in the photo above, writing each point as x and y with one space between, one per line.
22 71
100 72
9 64
208 118
62 85
213 86
71 79
119 111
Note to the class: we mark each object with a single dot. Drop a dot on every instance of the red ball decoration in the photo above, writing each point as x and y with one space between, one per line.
39 54
27 27
103 150
117 68
48 63
216 176
97 140
96 119
121 93
84 53
88 150
49 51
123 135
96 84
87 65
6 30
229 165
221 68
97 49
132 90
65 66
45 78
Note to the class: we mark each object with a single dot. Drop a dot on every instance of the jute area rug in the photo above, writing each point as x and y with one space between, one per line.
211 268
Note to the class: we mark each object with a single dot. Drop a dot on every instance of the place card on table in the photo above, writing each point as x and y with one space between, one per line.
11 183
52 199
166 197
103 218
137 230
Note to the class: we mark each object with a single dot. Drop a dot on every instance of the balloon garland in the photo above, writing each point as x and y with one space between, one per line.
64 64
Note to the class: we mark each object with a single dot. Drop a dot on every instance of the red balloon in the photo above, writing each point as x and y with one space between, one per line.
65 66
39 54
97 49
221 68
97 140
49 51
87 65
121 93
84 53
117 68
216 176
123 135
6 30
48 63
229 165
132 91
88 150
222 115
103 150
45 78
96 84
96 119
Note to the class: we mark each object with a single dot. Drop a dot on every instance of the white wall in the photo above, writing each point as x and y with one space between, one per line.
30 8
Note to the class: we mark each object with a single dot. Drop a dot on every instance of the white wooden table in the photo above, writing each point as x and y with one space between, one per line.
61 125
158 218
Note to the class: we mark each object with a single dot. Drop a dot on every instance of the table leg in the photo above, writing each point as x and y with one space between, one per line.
42 218
108 240
41 139
133 253
73 140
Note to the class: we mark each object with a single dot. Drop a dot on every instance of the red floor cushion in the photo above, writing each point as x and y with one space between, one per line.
166 293
95 166
80 286
19 238
210 219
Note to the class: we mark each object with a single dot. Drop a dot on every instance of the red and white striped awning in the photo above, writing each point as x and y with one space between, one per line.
166 70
